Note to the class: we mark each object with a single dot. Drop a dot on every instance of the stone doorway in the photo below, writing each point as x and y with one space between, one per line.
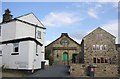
74 58
65 58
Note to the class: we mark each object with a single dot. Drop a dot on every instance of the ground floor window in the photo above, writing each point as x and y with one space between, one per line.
100 60
94 60
15 49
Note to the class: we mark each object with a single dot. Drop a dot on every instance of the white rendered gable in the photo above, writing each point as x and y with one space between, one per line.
30 18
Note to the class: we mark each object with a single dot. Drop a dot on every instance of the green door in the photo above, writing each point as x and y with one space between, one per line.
65 56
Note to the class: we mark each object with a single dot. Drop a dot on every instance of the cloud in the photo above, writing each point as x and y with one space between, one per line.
47 42
92 13
106 0
112 28
55 19
115 4
0 20
77 36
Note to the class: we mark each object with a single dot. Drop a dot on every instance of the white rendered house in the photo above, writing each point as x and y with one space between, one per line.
22 42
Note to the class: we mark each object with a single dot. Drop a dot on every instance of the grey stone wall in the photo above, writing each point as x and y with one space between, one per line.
77 70
57 49
98 38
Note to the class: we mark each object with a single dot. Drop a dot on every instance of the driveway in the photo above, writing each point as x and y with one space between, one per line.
52 71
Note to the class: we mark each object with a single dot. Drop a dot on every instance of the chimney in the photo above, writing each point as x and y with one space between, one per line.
7 16
64 34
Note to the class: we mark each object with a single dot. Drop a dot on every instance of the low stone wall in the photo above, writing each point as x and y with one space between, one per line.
100 70
77 70
106 70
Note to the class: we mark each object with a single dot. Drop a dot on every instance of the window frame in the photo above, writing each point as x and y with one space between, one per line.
15 45
0 52
39 34
0 31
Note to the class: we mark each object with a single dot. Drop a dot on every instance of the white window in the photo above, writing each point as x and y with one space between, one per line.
39 34
105 47
36 49
101 47
0 53
97 47
15 47
0 30
94 47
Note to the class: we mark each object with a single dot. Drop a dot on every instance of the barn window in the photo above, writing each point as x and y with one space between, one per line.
101 47
105 47
57 56
102 60
94 48
106 61
94 60
98 60
97 47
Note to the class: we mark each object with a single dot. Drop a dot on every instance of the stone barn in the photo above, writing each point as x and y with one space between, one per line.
99 55
63 50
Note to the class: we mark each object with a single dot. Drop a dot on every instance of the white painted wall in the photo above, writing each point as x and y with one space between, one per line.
16 61
8 31
31 19
27 58
0 50
24 30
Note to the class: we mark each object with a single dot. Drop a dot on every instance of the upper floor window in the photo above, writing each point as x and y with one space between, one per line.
99 47
0 30
94 47
104 47
94 60
100 60
64 41
0 53
39 34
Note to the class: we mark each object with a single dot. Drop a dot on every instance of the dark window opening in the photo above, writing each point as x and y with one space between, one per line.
0 53
39 34
36 50
57 56
102 60
106 61
94 60
98 60
16 49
